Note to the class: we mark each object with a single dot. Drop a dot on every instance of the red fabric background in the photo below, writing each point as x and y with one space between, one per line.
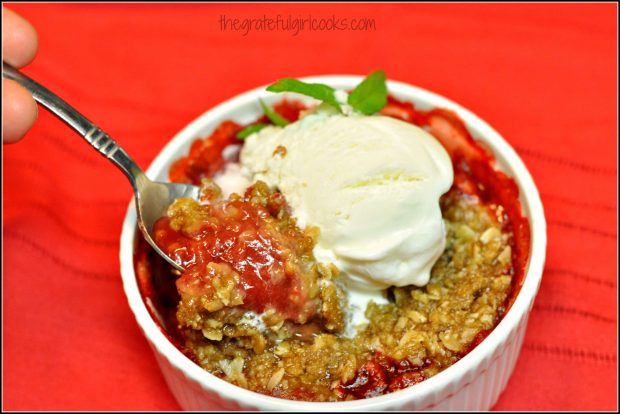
542 75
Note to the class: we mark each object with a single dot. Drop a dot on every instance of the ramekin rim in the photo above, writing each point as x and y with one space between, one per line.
497 337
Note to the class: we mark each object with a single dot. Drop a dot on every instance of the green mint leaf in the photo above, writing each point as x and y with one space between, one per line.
249 130
370 95
273 116
315 90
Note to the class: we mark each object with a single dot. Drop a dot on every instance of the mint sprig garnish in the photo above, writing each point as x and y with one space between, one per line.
273 116
367 98
249 130
315 90
370 95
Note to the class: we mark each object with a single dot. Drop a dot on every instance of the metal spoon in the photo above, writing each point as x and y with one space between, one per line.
152 198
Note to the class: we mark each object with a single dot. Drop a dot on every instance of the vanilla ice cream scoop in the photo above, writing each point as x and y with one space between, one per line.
370 183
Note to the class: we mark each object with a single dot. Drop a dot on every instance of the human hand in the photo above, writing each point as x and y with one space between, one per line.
19 46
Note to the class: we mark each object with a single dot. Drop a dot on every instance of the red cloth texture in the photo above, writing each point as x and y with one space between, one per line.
544 75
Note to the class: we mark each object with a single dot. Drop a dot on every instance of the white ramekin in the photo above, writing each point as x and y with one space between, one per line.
473 383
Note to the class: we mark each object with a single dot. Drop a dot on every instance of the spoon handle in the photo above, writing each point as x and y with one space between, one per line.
98 139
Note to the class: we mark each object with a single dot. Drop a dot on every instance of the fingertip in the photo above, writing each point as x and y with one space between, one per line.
20 40
19 111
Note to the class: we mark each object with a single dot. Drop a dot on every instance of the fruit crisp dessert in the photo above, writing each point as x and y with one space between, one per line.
267 298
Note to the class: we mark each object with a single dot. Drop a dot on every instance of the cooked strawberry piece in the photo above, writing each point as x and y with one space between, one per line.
382 375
